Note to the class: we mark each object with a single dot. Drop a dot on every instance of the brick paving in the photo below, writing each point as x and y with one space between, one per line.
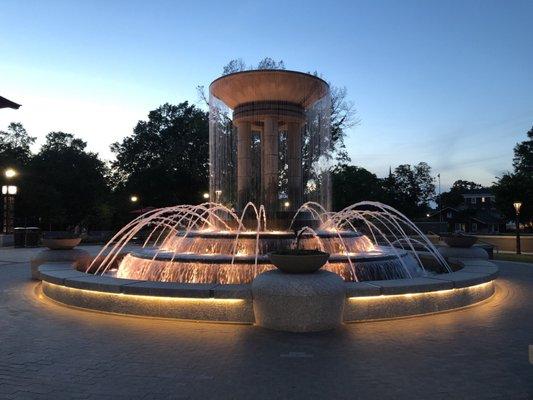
53 352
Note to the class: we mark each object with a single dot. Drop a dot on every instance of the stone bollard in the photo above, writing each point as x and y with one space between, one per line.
298 302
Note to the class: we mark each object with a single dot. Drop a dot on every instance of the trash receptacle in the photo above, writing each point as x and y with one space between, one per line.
33 236
19 237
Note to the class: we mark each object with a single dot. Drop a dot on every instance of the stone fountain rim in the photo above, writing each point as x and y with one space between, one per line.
82 288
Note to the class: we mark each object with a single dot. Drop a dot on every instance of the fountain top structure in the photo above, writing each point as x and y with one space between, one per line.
269 85
270 140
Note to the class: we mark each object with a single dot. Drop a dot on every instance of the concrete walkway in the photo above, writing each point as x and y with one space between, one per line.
49 351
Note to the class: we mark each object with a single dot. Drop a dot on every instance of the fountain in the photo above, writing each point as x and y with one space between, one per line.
270 144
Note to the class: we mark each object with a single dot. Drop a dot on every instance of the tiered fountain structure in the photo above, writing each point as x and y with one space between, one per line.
270 144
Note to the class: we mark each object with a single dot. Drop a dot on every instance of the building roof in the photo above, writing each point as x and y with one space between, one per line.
481 215
5 103
488 216
269 85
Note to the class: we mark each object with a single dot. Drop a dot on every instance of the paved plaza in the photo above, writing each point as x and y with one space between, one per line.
49 351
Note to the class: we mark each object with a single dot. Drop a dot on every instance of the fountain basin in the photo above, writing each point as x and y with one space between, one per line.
364 301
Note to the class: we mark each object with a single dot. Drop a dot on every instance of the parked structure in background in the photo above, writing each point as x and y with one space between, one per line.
477 213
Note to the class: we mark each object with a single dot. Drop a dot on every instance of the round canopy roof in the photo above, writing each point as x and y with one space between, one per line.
269 85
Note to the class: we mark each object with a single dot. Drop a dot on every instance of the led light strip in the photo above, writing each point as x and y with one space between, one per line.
409 295
139 297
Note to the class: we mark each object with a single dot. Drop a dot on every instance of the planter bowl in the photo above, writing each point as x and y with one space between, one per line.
463 241
61 243
304 262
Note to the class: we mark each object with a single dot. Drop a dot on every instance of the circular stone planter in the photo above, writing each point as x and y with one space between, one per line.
74 258
460 241
299 302
454 253
61 243
299 262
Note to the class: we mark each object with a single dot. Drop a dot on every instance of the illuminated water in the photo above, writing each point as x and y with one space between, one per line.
209 243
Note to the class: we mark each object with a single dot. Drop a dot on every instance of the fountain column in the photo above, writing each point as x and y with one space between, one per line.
294 162
244 162
269 164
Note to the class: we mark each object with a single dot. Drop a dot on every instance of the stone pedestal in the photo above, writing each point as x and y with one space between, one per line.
298 302
80 258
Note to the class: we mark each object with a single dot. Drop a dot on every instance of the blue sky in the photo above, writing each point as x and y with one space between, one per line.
449 83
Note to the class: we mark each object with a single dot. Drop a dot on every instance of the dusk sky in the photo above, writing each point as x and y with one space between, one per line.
449 83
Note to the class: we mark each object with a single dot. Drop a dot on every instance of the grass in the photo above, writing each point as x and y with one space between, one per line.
525 258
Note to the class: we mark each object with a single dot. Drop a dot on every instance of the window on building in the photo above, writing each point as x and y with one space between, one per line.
449 214
474 227
482 199
473 200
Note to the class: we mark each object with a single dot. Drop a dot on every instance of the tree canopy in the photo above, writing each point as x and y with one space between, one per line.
352 184
64 185
165 161
15 146
518 184
409 188
453 197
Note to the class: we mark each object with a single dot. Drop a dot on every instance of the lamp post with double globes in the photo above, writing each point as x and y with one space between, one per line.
517 205
9 192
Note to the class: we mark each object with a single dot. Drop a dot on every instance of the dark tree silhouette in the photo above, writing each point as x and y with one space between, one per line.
64 186
453 197
15 145
352 184
518 185
165 161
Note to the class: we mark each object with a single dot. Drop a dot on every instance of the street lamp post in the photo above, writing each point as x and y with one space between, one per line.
9 192
517 205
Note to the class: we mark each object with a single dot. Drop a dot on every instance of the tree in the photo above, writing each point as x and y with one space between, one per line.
165 161
454 197
269 63
15 145
343 117
518 185
352 184
65 185
235 65
410 189
523 155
